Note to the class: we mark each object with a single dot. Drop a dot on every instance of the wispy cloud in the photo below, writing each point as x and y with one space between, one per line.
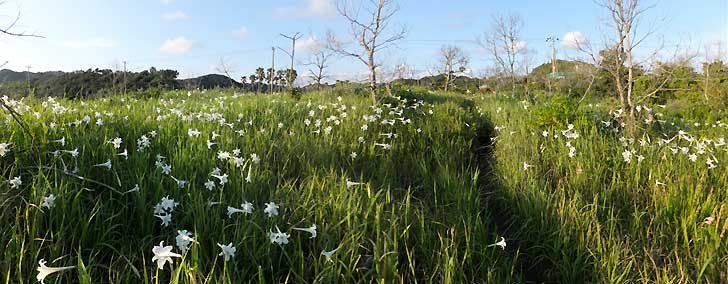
241 33
177 46
90 43
310 8
167 2
310 44
176 15
573 40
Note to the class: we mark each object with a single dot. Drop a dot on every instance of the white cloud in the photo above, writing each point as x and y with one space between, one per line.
177 46
521 45
176 15
90 43
167 2
310 44
241 33
573 40
311 8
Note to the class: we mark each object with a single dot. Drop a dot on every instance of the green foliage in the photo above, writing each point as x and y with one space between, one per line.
556 111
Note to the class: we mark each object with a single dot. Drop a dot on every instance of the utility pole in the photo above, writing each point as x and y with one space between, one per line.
292 54
554 75
272 69
124 77
28 79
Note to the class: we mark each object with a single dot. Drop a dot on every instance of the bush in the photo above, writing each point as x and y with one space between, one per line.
557 111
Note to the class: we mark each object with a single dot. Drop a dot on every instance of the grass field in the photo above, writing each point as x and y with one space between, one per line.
420 188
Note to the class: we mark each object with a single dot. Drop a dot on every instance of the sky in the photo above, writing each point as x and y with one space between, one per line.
194 36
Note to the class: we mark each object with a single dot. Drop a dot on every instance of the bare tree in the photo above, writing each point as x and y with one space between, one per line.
319 64
224 67
450 58
370 32
625 15
504 45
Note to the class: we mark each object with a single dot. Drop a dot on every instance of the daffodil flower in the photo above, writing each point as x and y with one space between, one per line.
44 271
61 141
278 237
184 240
227 251
311 230
271 209
4 149
329 254
106 165
352 183
223 179
48 201
163 254
116 142
15 182
501 244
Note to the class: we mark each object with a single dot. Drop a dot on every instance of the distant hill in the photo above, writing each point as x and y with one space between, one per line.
100 82
210 81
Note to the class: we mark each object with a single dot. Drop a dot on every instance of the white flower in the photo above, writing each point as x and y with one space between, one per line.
328 254
247 207
353 155
193 132
526 166
227 250
278 237
215 135
271 209
311 230
249 177
223 179
254 157
166 169
135 189
209 184
15 182
384 146
627 156
233 210
116 142
184 239
106 165
125 154
48 201
44 271
4 149
62 141
351 183
223 155
74 152
163 254
360 139
364 127
501 243
166 218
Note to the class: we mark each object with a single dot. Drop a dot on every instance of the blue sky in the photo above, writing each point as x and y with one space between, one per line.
192 36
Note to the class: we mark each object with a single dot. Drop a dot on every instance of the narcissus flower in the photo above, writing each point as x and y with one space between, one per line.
4 149
163 254
311 230
48 201
184 240
228 251
44 271
278 237
15 182
501 243
271 209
